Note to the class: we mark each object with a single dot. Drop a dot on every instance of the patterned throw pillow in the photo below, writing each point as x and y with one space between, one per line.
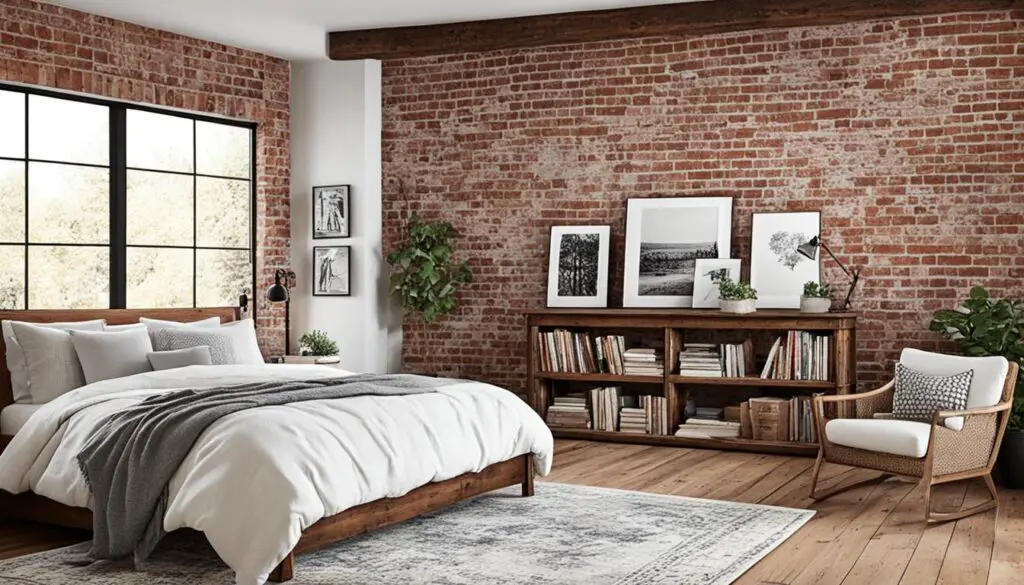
918 396
222 348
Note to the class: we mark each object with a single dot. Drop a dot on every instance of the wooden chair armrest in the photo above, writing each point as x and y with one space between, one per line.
939 416
860 396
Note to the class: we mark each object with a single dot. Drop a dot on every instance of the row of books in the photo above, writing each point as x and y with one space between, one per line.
711 360
800 355
650 417
610 410
578 353
778 419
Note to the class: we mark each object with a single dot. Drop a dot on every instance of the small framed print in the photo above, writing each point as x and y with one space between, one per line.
331 212
777 270
578 266
705 291
332 267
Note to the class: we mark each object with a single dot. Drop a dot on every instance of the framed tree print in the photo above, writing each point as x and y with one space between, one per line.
664 239
777 270
331 212
578 266
332 267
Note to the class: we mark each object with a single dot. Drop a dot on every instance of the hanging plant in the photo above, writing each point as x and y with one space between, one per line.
423 273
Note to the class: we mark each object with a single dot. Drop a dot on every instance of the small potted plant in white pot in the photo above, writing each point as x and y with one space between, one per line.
817 298
735 297
315 347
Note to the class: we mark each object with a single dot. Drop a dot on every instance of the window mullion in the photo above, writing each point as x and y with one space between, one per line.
118 208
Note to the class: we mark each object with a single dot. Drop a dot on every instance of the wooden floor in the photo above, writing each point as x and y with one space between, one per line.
873 535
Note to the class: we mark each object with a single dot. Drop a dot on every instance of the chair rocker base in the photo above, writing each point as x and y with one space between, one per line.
933 517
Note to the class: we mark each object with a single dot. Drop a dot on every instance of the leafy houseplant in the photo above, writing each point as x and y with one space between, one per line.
983 326
734 297
817 298
317 343
424 276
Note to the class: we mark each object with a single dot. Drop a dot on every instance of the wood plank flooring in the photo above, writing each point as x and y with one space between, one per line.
873 535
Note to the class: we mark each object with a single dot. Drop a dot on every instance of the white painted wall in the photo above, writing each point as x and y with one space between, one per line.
336 140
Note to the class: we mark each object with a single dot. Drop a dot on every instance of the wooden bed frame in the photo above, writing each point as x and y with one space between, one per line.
351 522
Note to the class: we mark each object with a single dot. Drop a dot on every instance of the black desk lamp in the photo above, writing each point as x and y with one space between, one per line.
278 293
810 250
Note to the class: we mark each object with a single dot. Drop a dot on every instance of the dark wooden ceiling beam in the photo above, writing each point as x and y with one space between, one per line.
688 19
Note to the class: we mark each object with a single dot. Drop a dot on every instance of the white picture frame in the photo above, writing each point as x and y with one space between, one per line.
664 237
578 266
331 212
777 271
705 292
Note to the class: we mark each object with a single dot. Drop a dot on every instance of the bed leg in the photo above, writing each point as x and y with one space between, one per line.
285 571
528 482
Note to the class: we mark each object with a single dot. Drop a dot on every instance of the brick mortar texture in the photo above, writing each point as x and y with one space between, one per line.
50 46
907 134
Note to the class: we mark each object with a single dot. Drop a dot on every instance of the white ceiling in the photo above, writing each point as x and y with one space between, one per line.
296 29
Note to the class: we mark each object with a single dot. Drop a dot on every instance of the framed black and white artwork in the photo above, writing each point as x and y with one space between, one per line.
705 291
777 270
332 267
664 239
578 266
331 212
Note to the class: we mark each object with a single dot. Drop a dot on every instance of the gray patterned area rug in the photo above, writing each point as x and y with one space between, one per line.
565 535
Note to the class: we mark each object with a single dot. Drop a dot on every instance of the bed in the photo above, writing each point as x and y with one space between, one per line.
318 506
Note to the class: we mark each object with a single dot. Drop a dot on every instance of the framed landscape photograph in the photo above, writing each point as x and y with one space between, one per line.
777 270
578 266
664 239
705 291
331 212
332 267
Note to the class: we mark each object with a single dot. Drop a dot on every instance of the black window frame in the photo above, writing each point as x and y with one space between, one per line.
118 168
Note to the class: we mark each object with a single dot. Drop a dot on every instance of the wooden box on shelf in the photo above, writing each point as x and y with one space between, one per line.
585 364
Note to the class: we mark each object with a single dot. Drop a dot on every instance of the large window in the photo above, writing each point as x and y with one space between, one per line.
104 204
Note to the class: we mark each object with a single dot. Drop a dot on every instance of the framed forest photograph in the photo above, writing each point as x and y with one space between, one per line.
331 212
332 267
578 266
664 239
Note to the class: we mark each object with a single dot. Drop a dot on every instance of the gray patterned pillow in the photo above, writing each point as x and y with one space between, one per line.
918 396
222 348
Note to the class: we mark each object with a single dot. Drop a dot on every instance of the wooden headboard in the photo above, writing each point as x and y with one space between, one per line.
113 317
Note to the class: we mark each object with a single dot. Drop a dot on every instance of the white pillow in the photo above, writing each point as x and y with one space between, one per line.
234 343
128 327
51 364
112 354
243 335
160 323
16 357
198 355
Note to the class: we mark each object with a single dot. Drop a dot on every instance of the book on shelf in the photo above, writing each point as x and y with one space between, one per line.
700 360
707 429
643 361
799 355
656 414
604 406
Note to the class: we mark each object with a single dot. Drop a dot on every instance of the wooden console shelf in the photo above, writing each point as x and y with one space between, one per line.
670 328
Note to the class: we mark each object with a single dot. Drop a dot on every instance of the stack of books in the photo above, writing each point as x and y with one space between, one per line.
800 355
632 416
569 412
643 361
696 428
604 404
700 360
708 413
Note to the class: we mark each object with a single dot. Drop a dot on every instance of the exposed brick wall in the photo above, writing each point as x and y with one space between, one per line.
50 46
907 134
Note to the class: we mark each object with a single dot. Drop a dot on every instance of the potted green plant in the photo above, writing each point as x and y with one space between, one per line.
424 275
983 326
817 298
734 297
316 347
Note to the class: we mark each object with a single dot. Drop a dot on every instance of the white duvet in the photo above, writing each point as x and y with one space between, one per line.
257 478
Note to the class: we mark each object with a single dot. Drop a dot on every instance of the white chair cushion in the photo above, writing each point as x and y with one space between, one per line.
895 437
986 384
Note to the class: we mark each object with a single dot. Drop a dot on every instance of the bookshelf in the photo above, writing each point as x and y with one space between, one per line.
670 329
